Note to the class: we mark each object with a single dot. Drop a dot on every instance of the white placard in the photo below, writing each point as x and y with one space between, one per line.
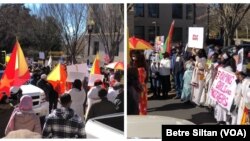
195 37
223 88
93 78
72 76
77 71
41 55
240 60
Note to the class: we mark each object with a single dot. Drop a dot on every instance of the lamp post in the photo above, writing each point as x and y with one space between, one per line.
208 13
154 22
90 29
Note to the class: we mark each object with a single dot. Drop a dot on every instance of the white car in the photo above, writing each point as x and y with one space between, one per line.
106 127
40 105
150 126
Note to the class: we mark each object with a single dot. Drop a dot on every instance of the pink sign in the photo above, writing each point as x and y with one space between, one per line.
223 88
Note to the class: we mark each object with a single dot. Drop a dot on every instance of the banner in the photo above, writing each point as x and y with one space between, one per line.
93 78
195 37
223 88
159 42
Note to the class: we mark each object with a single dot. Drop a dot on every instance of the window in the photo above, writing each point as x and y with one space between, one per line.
139 10
96 29
96 48
177 11
153 10
151 33
189 11
177 35
139 32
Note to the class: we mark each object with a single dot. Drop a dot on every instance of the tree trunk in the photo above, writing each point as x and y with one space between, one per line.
224 40
229 41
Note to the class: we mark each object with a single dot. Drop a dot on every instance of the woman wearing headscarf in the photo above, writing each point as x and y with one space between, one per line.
78 97
221 114
23 117
186 91
198 78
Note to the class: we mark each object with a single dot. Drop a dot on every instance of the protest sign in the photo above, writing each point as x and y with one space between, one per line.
72 76
41 55
195 37
77 71
240 60
223 88
159 42
93 78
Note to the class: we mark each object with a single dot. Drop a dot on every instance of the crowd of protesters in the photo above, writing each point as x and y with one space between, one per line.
191 73
68 112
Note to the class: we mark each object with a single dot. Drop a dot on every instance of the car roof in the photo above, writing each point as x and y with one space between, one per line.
29 89
138 126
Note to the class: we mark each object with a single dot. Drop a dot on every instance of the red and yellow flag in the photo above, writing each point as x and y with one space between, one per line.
96 65
57 78
167 45
16 72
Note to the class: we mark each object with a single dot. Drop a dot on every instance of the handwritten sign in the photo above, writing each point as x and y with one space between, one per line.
93 78
223 88
195 37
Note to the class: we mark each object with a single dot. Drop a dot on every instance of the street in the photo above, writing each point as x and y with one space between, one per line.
176 108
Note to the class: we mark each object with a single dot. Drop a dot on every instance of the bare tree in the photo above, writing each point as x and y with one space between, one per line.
109 20
229 17
72 19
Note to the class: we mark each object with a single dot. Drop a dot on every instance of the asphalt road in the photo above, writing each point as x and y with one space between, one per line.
176 108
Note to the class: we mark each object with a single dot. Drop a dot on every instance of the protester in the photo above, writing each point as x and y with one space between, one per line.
119 100
92 96
187 89
23 117
78 97
101 108
64 122
155 76
6 110
165 75
50 93
133 91
178 72
23 134
198 76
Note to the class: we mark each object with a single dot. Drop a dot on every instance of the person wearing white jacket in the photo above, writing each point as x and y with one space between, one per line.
78 97
92 96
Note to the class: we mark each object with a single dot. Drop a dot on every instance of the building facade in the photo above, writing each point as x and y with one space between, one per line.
148 20
97 46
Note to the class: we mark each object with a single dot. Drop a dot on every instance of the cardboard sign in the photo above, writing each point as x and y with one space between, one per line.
195 37
159 42
240 60
93 78
223 88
